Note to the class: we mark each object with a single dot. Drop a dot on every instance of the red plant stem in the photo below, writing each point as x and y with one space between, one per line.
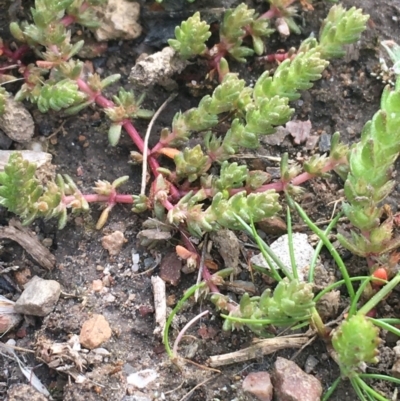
277 57
167 204
159 145
70 19
103 102
274 12
206 273
17 54
300 179
278 186
90 198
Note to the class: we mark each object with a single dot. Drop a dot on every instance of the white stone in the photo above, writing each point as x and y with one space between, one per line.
303 253
143 378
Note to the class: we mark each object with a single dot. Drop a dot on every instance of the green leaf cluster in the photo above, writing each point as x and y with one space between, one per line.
341 27
356 342
47 28
59 95
221 213
291 302
23 194
257 111
371 162
234 27
191 37
127 106
191 163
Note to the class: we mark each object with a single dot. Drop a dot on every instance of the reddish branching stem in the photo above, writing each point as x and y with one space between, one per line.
273 58
90 198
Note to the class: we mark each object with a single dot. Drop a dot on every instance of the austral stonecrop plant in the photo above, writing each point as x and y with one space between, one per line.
188 196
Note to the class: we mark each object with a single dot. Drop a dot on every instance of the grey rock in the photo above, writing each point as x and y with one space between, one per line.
16 122
158 69
5 141
292 384
24 392
39 297
228 247
310 364
259 385
325 142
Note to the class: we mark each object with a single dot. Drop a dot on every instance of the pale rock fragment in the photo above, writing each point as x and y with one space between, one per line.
16 122
113 242
119 20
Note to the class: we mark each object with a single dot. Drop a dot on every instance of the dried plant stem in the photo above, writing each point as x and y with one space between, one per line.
201 266
146 141
183 331
263 347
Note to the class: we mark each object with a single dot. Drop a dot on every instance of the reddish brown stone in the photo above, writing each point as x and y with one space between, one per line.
292 384
259 385
94 332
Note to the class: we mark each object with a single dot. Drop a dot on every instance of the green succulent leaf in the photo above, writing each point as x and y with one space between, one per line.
235 20
226 95
191 37
291 302
3 100
371 162
356 342
290 299
291 76
339 28
126 105
231 176
252 207
270 113
60 95
191 163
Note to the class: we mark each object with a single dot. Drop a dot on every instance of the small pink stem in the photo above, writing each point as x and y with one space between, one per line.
157 148
273 12
17 54
90 198
167 204
271 58
68 20
103 102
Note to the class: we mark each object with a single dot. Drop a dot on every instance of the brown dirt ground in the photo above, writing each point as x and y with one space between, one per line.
343 100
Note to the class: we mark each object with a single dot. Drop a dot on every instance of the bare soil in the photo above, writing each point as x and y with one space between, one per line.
343 100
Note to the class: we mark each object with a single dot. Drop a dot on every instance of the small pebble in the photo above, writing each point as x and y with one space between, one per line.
325 142
94 332
259 385
113 243
39 297
97 285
